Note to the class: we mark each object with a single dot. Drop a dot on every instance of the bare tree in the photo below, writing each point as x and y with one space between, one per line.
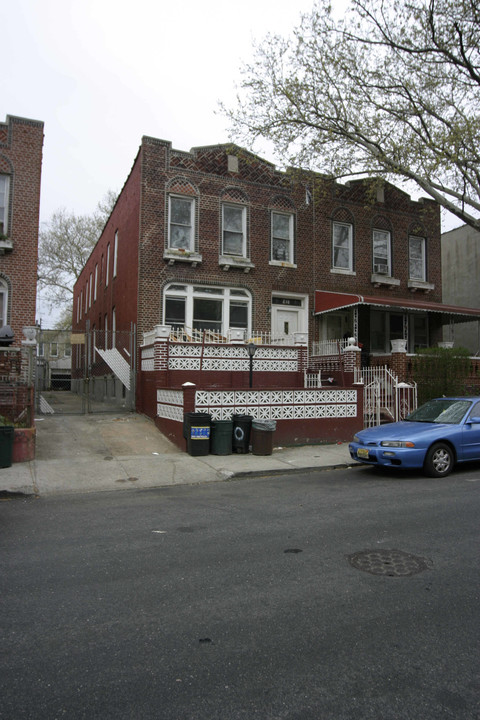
65 243
392 89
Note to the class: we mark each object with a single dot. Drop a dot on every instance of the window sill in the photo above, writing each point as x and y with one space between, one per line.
234 261
282 263
378 280
182 256
414 285
342 271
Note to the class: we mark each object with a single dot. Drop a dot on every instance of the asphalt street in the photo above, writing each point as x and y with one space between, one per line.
239 599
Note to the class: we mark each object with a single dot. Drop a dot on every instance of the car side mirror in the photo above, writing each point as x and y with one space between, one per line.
474 420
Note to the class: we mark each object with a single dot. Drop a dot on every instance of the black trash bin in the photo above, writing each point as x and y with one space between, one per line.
262 436
6 445
196 431
242 425
221 437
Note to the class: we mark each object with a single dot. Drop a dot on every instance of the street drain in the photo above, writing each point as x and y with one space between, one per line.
391 563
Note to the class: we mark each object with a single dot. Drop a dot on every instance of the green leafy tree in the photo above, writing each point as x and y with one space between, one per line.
65 243
391 89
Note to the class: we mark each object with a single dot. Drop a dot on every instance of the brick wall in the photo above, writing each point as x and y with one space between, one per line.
229 174
21 146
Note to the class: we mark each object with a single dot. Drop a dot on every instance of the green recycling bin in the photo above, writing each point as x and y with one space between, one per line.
6 445
221 437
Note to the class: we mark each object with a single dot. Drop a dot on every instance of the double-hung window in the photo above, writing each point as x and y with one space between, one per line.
382 254
3 302
342 246
416 258
4 194
115 255
234 230
282 237
181 214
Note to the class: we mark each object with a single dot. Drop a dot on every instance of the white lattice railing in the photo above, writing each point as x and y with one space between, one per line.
328 347
263 404
189 335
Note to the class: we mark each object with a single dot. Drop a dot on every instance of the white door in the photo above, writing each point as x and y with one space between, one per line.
285 323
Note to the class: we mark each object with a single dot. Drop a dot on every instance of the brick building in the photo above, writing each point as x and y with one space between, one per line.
21 146
217 240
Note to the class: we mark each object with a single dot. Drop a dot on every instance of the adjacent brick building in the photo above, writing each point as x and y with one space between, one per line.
21 146
217 239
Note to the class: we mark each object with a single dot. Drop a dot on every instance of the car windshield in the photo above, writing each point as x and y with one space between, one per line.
443 410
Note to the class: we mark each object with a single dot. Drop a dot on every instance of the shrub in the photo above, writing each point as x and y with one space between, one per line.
441 371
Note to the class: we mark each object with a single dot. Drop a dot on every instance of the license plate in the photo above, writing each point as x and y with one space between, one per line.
363 453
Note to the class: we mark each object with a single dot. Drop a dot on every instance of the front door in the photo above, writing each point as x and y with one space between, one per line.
286 322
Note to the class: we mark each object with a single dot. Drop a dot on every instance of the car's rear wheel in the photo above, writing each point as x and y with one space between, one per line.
439 460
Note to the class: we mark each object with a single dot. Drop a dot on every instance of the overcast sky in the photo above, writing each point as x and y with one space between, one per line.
103 73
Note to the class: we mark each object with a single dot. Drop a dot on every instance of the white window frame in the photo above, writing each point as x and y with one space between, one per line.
95 284
191 200
388 259
107 268
226 295
114 327
53 349
341 268
4 207
90 291
4 308
423 245
291 237
243 231
115 254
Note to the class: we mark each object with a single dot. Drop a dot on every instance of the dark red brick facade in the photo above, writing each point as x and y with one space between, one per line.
21 147
215 175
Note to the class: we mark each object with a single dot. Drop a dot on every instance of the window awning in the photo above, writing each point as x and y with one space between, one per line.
326 301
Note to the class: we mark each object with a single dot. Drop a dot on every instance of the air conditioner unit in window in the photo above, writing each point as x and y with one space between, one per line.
380 269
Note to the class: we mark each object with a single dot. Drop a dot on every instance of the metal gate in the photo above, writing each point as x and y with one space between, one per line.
384 398
101 377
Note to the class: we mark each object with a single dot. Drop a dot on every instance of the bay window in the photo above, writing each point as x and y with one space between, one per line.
207 308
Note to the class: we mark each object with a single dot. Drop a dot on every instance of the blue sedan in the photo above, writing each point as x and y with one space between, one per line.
434 437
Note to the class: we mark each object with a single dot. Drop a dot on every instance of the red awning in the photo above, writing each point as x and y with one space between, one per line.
326 301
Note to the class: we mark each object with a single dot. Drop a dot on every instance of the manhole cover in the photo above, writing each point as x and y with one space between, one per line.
392 563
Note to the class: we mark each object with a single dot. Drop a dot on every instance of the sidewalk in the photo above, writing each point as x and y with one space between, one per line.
118 451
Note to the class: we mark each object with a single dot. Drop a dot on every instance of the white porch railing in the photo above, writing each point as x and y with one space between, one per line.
186 334
328 347
384 398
